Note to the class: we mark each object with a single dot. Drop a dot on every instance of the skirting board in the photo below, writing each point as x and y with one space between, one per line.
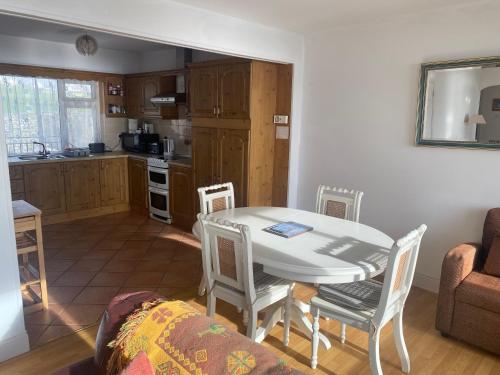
426 282
14 346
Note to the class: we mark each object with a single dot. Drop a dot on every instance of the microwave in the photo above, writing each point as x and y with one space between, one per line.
140 143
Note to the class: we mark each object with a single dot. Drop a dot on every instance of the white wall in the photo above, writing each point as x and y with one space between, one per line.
26 51
360 98
163 59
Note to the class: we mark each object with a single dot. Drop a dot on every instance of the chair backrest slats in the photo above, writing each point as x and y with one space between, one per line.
227 255
338 202
216 198
399 275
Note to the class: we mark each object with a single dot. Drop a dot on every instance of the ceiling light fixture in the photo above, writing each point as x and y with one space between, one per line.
86 45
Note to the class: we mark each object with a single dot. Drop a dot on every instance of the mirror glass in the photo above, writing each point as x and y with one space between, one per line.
459 104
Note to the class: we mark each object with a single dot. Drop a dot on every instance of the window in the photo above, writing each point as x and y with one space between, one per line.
56 112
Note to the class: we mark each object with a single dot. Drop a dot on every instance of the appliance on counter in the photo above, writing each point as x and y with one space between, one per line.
149 128
97 148
168 148
71 152
158 190
138 142
154 148
132 125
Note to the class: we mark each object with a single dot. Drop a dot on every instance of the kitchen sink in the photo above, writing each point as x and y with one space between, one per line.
40 157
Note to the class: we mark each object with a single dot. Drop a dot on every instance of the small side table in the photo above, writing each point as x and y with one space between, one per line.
28 228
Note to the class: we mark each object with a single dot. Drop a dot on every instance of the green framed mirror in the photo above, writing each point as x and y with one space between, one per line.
459 103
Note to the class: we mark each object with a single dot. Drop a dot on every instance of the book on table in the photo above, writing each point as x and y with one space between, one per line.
288 229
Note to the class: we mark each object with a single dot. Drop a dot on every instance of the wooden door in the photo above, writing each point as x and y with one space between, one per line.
114 184
138 184
44 187
150 88
81 180
181 196
203 91
133 96
204 153
232 162
234 91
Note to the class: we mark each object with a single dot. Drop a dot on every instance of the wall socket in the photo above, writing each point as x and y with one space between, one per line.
280 119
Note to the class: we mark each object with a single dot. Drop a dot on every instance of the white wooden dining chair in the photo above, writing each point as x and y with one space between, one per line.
369 305
339 202
232 277
212 199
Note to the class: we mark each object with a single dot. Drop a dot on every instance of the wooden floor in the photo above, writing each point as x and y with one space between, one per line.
429 352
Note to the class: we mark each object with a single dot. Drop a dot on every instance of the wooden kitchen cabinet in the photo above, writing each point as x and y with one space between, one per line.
114 181
44 187
221 90
82 188
138 184
181 196
139 91
221 155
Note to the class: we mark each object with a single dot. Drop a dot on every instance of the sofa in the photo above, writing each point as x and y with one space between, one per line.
468 306
201 344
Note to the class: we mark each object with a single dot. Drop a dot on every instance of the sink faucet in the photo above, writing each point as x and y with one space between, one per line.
44 151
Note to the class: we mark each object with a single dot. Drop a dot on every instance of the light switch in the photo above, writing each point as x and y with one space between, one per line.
280 119
282 132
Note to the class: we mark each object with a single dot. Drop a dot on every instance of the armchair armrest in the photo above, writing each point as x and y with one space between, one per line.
458 263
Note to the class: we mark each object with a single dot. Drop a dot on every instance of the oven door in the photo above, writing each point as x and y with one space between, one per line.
158 203
158 177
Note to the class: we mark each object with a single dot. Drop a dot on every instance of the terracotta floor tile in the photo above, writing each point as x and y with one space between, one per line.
89 236
100 228
96 295
100 254
145 279
152 265
177 281
44 317
80 315
59 235
144 236
82 244
63 294
50 253
120 265
56 331
164 243
130 289
89 265
126 228
136 245
52 276
62 227
74 278
169 292
60 265
73 254
154 227
164 254
109 279
108 244
56 243
136 254
34 332
120 236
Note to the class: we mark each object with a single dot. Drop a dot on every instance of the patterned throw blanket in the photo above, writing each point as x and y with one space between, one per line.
180 340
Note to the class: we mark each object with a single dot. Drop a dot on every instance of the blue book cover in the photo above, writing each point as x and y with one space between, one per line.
288 229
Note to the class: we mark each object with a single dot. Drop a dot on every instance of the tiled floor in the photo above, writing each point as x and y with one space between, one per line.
90 261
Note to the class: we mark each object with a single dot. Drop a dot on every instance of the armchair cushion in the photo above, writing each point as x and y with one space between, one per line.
492 265
480 290
490 231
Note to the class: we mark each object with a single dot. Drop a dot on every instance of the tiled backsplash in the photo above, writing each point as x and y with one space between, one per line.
179 130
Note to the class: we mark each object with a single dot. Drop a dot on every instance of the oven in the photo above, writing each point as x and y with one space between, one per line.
158 204
158 177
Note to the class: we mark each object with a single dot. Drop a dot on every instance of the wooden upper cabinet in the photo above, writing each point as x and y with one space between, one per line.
44 187
181 196
150 87
234 91
114 181
81 179
138 184
233 158
133 96
203 91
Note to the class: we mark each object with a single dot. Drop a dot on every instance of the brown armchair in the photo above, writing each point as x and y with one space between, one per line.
469 299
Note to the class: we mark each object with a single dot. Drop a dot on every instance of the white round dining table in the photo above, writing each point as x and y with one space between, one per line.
334 251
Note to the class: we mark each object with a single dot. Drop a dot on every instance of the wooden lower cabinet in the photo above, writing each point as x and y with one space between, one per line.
221 155
138 184
114 181
82 188
44 187
181 196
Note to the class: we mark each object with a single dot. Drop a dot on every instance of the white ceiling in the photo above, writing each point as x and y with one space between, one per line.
312 15
28 28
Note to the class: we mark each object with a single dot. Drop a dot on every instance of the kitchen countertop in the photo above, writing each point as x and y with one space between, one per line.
181 161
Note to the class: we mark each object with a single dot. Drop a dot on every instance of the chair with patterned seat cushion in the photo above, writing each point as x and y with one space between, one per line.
369 305
232 276
212 199
338 202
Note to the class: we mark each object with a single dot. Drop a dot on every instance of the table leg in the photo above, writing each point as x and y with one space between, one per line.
273 315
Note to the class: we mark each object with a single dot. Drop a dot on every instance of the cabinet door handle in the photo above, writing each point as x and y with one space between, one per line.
218 111
215 110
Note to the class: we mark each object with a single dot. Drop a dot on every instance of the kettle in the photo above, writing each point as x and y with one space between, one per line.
168 148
